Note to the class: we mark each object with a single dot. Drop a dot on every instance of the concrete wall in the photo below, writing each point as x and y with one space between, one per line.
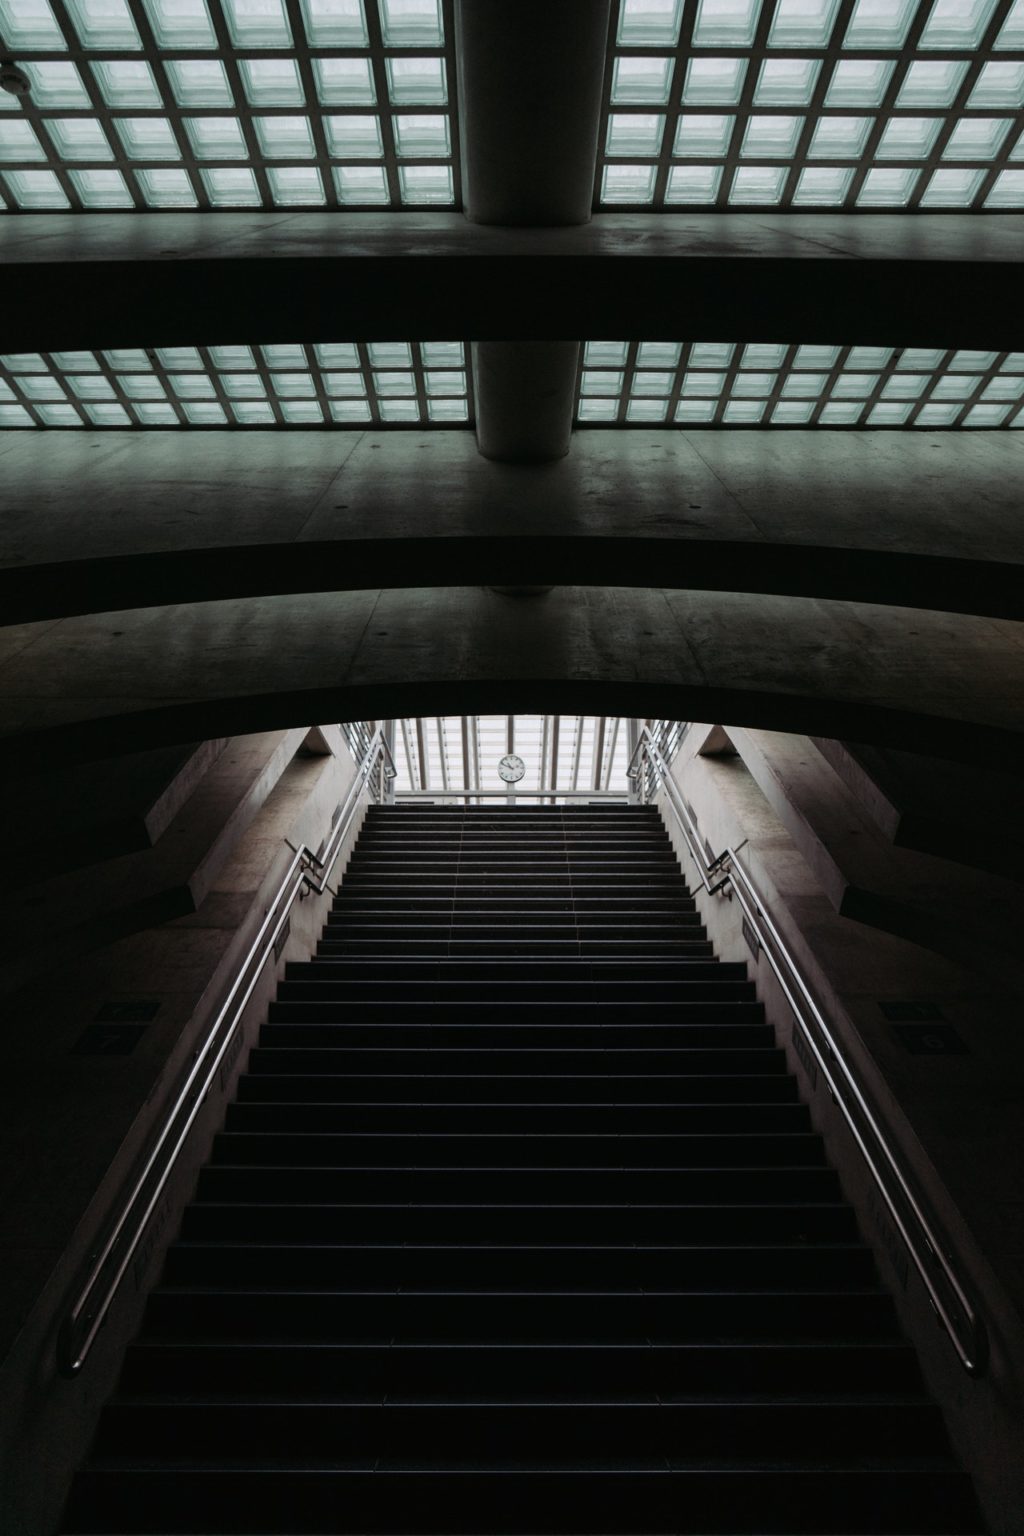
953 1118
76 1125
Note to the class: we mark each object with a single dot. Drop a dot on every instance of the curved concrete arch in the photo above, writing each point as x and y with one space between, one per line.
93 687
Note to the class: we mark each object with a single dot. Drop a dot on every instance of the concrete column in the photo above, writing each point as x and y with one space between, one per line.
530 81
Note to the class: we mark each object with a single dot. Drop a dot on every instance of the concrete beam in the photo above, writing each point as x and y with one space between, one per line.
102 521
93 687
180 279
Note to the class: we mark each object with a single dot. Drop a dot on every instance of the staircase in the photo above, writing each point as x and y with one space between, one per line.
518 1225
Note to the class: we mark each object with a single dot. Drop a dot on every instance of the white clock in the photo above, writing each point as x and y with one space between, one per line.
511 769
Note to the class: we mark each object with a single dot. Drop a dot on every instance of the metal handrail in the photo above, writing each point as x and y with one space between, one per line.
109 1264
955 1310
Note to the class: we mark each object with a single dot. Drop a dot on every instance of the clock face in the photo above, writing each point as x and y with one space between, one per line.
511 769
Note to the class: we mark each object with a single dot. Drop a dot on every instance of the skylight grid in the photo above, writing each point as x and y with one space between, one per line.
392 384
458 755
219 104
880 105
722 384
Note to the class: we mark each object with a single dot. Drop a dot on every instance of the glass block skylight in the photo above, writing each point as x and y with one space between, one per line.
179 104
453 754
337 384
878 105
722 384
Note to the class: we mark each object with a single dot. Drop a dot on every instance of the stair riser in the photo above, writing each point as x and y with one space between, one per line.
519 1118
261 1085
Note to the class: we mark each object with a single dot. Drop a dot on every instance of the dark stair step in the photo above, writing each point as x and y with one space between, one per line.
571 1119
511 949
580 1064
263 1084
640 973
513 1043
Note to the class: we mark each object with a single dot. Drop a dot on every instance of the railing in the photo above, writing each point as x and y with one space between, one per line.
108 1266
954 1308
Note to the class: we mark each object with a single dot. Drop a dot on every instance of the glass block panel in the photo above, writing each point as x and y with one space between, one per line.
285 138
419 81
417 134
59 416
166 188
243 386
854 386
986 415
932 83
76 362
128 360
232 357
389 354
448 410
1008 191
442 354
694 411
399 410
447 381
141 386
706 385
658 354
150 415
41 387
840 413
908 138
628 183
253 413
411 23
725 23
199 83
337 354
802 23
823 186
391 385
350 412
77 138
192 386
649 23
284 355
914 359
103 23
816 357
651 384
148 138
18 140
744 413
905 386
859 82
231 186
601 381
773 137
646 411
606 354
345 385
274 82
702 134
880 23
957 23
711 354
839 138
30 24
1013 362
763 354
58 84
1008 388
127 83
641 81
344 82
888 413
257 23
365 185
952 189
296 186
804 386
15 416
108 415
597 410
936 416
786 82
181 23
868 357
354 138
1012 33
758 184
335 23
967 360
714 82
294 386
754 385
693 183
634 133
977 138
216 138
302 413
203 414
792 413
24 362
887 187
1018 420
426 184
102 189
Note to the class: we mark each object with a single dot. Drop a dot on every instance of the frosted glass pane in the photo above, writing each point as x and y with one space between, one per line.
179 357
597 410
411 23
714 82
839 414
181 23
192 386
1008 191
128 359
281 355
607 354
936 415
754 385
36 189
232 357
102 189
112 415
41 388
354 138
348 412
296 386
421 135
362 184
725 23
343 354
628 184
257 23
816 357
977 138
399 410
231 187
345 384
869 357
931 83
417 81
57 84
148 138
792 413
839 138
658 354
141 386
986 415
695 411
646 410
908 138
711 354
199 83
649 23
296 186
1004 389
887 188
18 140
103 23
651 383
772 137
854 386
166 188
802 23
304 413
693 183
999 85
447 410
804 386
390 354
823 186
888 414
601 381
957 23
1012 34
703 384
905 386
967 359
272 82
253 413
918 358
156 415
203 415
952 189
442 354
344 82
880 23
641 81
27 24
126 83
216 138
702 134
859 82
76 362
286 138
59 416
446 382
786 82
15 416
745 413
243 386
334 23
634 133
